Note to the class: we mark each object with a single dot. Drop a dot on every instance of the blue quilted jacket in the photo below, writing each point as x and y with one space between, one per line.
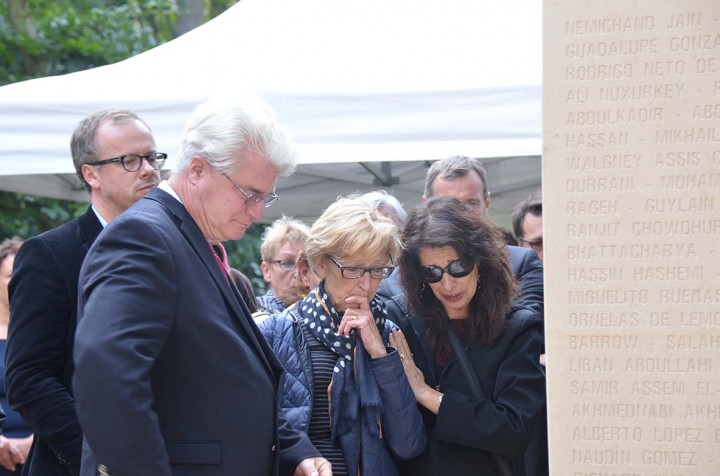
403 434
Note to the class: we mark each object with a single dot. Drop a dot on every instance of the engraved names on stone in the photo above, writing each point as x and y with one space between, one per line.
632 176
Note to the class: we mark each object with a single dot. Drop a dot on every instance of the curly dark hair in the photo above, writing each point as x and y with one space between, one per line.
445 221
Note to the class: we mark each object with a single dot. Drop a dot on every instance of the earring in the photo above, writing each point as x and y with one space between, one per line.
422 288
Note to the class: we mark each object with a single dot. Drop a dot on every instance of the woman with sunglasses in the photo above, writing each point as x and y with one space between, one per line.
457 279
343 385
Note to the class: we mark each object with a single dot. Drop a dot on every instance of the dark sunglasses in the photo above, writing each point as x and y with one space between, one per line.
456 269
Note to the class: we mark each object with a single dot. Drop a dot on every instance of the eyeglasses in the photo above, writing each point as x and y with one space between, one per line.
456 269
536 245
355 272
255 198
133 162
285 264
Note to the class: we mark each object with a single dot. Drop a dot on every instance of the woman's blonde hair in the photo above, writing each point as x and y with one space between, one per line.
283 230
350 226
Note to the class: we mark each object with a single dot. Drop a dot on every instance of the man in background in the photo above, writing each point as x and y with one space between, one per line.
528 224
116 160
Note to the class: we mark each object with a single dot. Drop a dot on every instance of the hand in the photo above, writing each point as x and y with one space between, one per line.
24 445
414 374
358 316
314 467
10 455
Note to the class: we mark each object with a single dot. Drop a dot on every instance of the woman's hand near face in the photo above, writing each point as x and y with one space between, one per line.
358 316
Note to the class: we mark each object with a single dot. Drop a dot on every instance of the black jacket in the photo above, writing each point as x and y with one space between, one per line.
465 429
39 366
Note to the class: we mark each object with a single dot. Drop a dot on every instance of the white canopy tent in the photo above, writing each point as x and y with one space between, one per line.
372 90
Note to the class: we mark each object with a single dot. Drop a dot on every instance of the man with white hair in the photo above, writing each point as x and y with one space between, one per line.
172 375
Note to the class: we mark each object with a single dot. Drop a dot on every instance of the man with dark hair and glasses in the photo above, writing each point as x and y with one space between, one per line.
115 175
116 160
281 245
172 376
528 224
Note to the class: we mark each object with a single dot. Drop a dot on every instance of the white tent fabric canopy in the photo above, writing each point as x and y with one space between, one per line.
371 90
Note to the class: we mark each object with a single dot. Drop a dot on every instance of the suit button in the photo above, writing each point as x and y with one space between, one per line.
102 470
273 450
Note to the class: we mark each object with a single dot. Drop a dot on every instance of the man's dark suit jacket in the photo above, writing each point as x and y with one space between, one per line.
172 376
528 270
43 305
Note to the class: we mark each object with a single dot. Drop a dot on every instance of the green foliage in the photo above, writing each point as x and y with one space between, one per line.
71 35
28 215
63 36
216 7
244 255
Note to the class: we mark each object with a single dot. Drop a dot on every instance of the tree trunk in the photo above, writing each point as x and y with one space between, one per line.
190 15
33 66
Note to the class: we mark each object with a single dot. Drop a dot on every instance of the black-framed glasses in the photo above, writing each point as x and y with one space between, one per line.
356 272
536 245
285 264
133 162
456 269
255 198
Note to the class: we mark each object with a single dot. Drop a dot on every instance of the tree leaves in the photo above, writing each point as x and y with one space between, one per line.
51 37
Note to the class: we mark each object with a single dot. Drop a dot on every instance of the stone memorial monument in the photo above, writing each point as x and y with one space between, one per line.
631 207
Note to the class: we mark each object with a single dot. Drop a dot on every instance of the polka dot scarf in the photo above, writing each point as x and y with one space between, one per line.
355 404
320 317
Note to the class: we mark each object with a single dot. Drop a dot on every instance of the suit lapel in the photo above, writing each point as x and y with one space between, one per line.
197 241
89 228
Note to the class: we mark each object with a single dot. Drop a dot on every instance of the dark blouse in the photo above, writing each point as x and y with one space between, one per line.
457 325
323 362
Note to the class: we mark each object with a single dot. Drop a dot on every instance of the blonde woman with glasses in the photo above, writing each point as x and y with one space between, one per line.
344 386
